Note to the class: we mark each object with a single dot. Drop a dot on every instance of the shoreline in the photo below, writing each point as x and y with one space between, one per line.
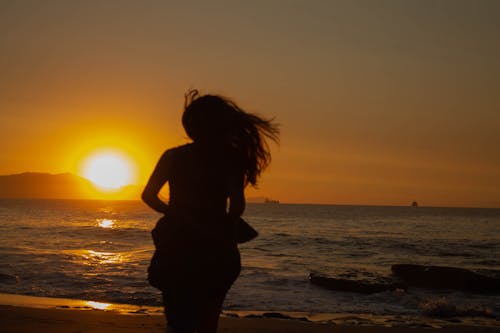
33 320
20 313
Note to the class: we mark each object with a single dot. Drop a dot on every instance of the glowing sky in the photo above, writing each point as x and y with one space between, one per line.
381 102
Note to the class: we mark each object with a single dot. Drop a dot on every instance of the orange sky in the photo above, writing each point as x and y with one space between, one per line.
381 102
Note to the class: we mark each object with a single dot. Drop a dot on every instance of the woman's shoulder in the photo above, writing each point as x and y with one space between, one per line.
174 153
179 149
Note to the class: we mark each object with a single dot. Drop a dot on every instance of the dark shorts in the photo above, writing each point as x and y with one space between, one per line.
193 270
195 286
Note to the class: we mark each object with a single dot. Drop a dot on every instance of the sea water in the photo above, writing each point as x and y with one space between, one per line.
100 250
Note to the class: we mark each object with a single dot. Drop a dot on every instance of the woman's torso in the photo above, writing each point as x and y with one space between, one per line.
199 180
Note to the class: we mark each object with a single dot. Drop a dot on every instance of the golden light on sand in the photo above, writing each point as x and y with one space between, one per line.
108 169
98 305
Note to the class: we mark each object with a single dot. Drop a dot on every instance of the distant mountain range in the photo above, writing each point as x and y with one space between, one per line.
60 186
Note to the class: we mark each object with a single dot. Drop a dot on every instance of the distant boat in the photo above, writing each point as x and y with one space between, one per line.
271 201
414 204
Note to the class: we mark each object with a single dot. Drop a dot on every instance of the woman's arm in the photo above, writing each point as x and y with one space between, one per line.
158 178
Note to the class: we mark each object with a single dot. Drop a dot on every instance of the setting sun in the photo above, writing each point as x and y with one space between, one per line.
108 170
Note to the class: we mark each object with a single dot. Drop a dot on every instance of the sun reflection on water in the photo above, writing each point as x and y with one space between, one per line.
106 223
102 257
98 305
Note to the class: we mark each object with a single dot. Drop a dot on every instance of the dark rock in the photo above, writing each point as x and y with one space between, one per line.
439 277
231 314
275 315
353 285
279 315
252 316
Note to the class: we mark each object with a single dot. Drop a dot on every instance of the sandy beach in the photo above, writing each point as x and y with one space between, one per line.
26 314
27 320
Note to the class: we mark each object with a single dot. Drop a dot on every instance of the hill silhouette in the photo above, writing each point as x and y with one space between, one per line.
37 185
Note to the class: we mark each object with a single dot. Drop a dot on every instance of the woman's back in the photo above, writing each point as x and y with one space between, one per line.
199 180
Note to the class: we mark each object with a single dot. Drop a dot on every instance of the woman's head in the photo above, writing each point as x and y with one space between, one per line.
218 120
207 117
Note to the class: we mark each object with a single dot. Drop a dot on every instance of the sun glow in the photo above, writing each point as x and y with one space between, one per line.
108 170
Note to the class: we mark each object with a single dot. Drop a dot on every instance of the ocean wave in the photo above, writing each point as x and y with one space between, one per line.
444 308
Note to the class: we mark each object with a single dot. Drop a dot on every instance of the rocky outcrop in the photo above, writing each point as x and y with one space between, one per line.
409 275
439 277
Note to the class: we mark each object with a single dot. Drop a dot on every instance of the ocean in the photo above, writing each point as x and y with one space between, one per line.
100 251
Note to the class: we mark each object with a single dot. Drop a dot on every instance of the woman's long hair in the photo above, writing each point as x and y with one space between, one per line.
218 120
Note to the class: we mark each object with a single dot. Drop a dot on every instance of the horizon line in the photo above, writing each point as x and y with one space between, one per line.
276 204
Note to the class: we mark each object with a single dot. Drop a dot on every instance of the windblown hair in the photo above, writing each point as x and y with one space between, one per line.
218 120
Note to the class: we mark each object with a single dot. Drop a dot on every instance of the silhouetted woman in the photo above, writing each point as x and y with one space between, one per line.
196 259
